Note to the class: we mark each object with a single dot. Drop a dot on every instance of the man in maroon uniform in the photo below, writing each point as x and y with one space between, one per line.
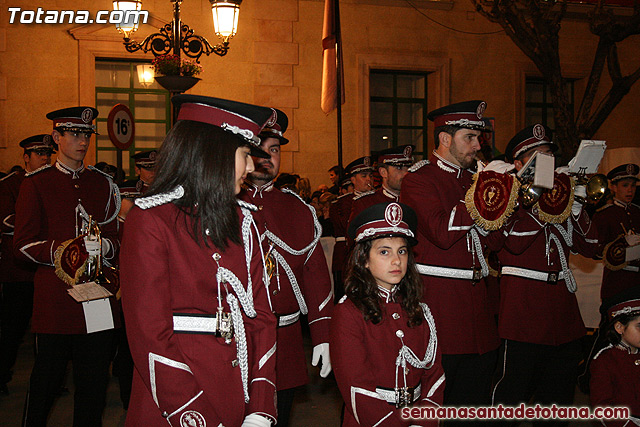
539 317
359 172
53 209
393 164
16 276
299 280
450 253
618 228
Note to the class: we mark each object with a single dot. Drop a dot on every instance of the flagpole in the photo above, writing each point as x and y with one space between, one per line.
339 78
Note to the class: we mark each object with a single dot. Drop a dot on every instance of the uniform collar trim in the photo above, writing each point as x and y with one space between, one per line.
258 190
620 203
67 170
388 295
390 194
446 165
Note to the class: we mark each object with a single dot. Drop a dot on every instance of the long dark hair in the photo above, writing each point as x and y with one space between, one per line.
362 289
201 158
611 335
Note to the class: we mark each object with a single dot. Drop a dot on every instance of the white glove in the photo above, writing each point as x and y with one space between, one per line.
579 191
318 351
632 239
92 246
563 169
255 420
499 166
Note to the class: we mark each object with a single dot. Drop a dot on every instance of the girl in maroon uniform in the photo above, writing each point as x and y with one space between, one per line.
383 339
615 370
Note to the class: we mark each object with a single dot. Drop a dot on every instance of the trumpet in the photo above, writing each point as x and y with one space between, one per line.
95 271
596 187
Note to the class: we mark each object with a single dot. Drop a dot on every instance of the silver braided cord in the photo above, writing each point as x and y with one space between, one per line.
160 199
480 254
567 234
241 343
292 279
406 355
246 298
247 222
569 280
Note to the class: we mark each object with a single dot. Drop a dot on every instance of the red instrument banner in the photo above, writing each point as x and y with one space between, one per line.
614 254
492 198
554 206
70 260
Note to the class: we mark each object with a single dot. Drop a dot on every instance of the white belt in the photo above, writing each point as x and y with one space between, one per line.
391 396
195 323
288 319
341 239
632 268
542 276
474 274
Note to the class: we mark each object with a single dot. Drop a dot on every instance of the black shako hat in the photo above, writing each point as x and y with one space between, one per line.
74 119
396 156
628 170
528 138
361 164
246 121
390 219
145 159
42 142
276 129
466 115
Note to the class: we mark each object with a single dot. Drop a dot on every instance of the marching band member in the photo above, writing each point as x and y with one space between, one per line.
383 338
202 336
53 211
299 281
359 172
614 370
392 164
450 253
539 317
16 277
619 228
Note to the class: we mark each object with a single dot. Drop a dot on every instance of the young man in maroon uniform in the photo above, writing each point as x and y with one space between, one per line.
53 209
618 228
450 254
539 317
16 276
392 164
299 280
359 172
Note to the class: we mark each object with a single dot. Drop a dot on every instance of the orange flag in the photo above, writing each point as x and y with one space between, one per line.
331 58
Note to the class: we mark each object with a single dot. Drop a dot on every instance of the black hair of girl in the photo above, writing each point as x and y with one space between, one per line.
611 335
362 289
201 158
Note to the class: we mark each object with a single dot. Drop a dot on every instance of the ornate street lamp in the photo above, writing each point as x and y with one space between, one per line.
176 36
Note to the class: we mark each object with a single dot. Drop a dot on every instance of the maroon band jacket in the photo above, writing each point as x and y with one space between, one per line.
49 211
610 221
11 269
171 287
370 198
615 381
543 311
364 357
284 219
339 213
436 190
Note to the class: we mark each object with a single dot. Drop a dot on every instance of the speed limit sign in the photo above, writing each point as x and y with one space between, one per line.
121 126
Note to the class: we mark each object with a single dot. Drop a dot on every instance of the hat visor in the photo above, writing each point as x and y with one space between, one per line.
258 152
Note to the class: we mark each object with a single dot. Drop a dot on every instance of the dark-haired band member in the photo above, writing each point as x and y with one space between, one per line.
383 338
618 226
451 253
299 282
201 333
539 319
52 210
16 276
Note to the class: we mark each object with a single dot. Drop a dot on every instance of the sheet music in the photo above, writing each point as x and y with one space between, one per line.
88 292
588 158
